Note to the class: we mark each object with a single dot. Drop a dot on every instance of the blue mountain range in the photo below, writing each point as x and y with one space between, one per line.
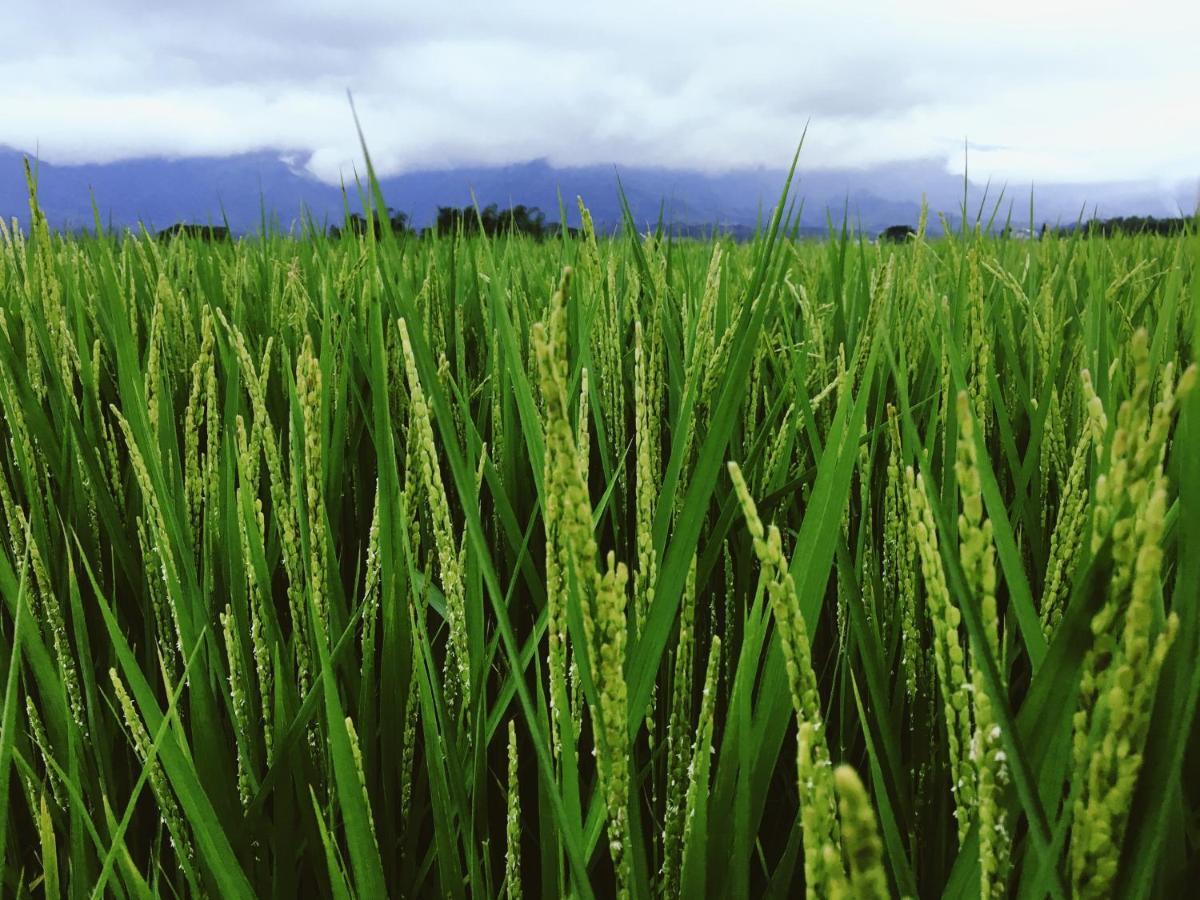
249 189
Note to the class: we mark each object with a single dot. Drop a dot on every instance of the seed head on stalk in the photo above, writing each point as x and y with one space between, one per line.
458 658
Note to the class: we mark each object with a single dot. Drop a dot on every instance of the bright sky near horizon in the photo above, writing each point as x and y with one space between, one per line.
1043 89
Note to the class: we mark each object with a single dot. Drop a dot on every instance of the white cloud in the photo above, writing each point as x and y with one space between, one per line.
1061 91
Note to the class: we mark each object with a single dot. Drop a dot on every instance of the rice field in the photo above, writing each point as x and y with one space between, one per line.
611 566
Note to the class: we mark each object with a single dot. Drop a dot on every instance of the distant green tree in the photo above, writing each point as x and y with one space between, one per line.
492 221
357 223
203 232
898 234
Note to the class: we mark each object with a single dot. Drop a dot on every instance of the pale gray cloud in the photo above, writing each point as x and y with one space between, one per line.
1062 91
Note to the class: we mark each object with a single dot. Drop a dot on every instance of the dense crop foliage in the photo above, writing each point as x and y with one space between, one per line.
480 567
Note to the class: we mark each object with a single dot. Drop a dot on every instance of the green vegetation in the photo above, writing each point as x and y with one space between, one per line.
482 566
451 220
1169 227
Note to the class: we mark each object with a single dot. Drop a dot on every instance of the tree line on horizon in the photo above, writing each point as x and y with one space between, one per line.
1168 227
490 220
531 221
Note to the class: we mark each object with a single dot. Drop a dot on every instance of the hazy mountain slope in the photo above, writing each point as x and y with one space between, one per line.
159 192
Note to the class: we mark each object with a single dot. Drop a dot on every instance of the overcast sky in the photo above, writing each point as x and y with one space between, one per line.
1048 90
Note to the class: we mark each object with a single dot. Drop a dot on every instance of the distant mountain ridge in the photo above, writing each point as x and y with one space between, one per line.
238 189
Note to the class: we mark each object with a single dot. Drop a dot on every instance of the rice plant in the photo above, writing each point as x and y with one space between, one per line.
614 565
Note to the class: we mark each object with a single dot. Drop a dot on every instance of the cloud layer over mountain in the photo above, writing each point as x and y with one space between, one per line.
1064 91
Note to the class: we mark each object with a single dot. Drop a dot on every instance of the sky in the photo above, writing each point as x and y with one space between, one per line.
1040 90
